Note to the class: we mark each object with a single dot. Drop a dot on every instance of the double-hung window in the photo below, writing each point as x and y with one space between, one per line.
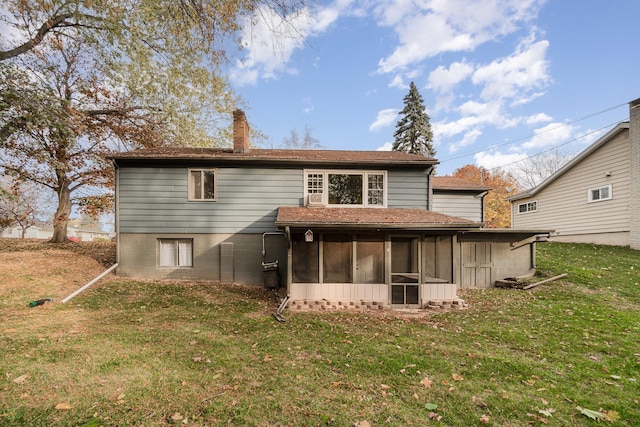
175 252
599 194
338 188
528 207
202 184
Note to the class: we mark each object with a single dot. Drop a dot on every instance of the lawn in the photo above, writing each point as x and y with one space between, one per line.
125 352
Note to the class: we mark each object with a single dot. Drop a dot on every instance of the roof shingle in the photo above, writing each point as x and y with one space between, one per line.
256 155
369 218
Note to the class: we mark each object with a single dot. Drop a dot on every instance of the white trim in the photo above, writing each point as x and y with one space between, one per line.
527 204
590 191
190 184
180 258
365 173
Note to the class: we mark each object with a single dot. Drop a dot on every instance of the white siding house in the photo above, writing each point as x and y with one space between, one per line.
589 200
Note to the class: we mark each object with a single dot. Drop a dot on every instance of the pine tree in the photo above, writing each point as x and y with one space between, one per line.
413 130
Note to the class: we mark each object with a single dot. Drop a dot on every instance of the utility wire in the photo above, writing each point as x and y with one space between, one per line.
539 133
555 147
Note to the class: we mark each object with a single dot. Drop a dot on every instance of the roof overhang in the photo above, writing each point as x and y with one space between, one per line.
370 218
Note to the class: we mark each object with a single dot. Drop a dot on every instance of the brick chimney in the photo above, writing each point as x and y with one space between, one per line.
634 142
240 132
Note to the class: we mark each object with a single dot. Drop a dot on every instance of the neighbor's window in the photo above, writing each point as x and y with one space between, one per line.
347 188
528 207
202 184
175 252
599 194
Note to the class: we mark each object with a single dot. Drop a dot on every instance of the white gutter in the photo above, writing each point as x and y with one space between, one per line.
104 273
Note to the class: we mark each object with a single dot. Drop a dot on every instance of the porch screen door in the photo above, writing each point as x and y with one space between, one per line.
405 273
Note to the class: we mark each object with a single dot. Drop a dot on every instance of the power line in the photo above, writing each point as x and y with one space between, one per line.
555 147
522 138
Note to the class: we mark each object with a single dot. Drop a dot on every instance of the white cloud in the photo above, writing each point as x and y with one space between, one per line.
444 79
388 146
428 28
516 75
491 160
549 135
271 40
468 139
385 118
538 118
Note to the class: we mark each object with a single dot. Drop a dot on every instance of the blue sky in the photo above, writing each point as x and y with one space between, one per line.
501 79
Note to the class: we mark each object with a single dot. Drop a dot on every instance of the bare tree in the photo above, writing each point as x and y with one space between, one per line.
21 204
307 142
533 170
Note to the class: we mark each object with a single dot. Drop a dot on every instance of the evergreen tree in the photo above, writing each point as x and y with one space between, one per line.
413 130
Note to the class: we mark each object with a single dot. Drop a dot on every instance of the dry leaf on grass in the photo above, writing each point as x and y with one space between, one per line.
63 406
457 377
21 379
426 382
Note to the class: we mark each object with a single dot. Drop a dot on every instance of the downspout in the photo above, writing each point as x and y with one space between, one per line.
116 225
482 205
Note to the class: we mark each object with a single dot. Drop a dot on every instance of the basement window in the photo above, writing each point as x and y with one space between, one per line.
175 252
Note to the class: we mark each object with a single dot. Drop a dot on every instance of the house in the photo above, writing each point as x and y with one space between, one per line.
339 227
595 197
459 197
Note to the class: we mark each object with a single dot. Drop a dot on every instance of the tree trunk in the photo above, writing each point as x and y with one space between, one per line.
61 218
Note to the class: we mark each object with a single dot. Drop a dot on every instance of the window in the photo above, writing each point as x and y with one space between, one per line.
346 188
599 194
528 207
202 184
175 252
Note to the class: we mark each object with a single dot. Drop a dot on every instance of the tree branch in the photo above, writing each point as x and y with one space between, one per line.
57 21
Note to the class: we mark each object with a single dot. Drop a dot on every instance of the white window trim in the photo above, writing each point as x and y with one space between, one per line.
190 185
527 211
589 193
365 186
176 242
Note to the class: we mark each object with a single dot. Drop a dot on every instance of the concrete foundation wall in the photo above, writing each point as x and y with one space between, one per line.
614 239
226 257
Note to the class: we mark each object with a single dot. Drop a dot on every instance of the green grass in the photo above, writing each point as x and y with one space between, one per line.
156 353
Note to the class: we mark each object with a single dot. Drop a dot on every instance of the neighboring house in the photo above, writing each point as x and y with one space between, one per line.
86 234
37 231
346 227
458 197
595 197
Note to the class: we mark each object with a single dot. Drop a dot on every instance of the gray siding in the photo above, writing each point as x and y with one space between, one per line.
407 189
154 200
462 205
562 205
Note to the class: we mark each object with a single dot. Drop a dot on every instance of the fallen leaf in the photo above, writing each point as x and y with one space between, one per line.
612 416
594 415
547 412
120 397
63 406
384 387
177 417
431 406
197 359
484 419
426 382
21 379
363 423
544 401
457 377
267 358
